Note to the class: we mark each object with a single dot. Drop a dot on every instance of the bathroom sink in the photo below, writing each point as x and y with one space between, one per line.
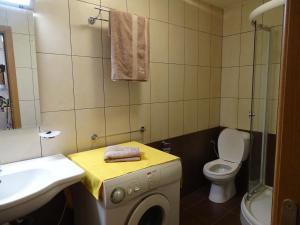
25 186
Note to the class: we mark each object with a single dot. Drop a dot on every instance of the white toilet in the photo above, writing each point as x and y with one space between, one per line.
233 148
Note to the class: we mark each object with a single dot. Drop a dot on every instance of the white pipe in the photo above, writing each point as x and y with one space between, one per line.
264 8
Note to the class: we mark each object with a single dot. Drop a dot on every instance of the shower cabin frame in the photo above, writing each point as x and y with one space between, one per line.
287 167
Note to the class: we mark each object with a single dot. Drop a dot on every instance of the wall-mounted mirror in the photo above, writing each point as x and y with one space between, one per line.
19 94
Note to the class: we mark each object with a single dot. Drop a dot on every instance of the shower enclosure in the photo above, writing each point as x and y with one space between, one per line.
257 203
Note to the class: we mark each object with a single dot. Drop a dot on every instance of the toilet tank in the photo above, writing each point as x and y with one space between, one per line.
246 137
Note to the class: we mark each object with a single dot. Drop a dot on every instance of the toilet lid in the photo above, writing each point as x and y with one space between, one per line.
231 145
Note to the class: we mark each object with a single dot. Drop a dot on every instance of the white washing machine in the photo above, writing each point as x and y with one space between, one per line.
146 197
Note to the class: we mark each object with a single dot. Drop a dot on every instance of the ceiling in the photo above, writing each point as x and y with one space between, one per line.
220 3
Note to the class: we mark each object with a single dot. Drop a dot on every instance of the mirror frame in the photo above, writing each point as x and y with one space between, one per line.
12 80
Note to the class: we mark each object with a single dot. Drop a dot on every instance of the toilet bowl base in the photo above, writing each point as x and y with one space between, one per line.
222 192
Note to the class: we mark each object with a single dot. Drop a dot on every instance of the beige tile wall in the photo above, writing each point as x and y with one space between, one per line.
237 67
79 98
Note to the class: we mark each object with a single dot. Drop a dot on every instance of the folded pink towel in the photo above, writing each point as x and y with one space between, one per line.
132 159
129 46
121 154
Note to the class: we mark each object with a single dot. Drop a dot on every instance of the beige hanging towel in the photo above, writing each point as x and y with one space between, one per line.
129 46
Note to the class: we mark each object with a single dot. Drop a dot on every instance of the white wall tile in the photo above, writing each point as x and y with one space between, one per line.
217 21
203 81
106 44
117 139
3 16
115 4
230 82
176 12
18 21
214 110
88 82
159 121
159 10
203 114
244 108
229 112
65 143
215 83
52 26
36 89
25 83
79 79
176 82
56 82
117 120
191 16
27 111
190 82
276 44
22 50
140 117
21 143
205 18
88 123
231 51
85 38
204 49
139 92
232 20
247 8
274 17
190 116
159 74
247 49
175 119
139 7
191 47
245 82
159 41
216 51
273 81
116 92
176 44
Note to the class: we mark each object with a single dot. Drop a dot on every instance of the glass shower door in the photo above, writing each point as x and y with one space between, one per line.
258 108
265 87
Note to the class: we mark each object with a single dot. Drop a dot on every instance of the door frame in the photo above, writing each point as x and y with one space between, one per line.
287 164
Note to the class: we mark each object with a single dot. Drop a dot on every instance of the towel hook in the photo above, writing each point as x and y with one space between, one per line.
92 19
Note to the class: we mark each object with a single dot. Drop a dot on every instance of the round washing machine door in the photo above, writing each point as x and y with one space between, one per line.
153 210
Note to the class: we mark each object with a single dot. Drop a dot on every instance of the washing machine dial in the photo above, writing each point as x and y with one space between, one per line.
117 195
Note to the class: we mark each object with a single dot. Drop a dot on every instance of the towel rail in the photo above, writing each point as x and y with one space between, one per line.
142 130
92 19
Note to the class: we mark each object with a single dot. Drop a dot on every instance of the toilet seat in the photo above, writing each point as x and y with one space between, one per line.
221 168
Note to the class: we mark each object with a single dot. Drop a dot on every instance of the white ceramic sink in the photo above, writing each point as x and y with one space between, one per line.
25 186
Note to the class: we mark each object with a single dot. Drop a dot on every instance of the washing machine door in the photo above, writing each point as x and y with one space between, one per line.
153 210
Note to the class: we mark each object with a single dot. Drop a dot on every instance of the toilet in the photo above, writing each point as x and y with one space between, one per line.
233 149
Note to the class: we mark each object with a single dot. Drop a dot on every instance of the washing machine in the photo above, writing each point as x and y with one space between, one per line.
149 196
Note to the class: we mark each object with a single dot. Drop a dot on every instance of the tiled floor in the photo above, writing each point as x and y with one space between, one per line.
196 209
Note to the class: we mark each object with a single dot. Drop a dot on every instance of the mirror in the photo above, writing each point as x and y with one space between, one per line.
19 94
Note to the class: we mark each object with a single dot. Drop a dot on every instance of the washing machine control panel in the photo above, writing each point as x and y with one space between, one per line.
127 187
117 195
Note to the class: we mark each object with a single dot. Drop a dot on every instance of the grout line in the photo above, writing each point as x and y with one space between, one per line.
72 63
103 83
